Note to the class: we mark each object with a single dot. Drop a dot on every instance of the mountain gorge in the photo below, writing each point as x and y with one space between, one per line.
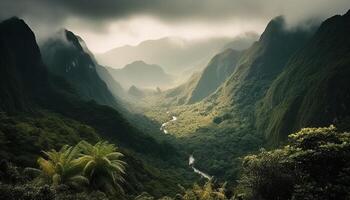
264 118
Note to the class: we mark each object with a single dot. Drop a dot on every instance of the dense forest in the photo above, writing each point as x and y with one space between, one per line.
266 117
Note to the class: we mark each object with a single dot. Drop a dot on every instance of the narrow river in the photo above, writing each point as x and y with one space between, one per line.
191 164
162 128
191 159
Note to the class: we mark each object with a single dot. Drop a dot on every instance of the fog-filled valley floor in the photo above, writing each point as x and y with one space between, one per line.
256 116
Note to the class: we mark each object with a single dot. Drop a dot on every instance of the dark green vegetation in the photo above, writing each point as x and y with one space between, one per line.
313 90
42 110
222 126
66 56
242 102
314 165
289 79
79 169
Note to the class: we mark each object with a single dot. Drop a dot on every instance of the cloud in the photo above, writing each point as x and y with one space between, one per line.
98 16
102 11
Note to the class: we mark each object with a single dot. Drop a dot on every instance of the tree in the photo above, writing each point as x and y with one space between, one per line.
314 165
60 167
102 165
207 192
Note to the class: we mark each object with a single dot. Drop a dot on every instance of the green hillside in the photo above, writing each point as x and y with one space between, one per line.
313 89
66 56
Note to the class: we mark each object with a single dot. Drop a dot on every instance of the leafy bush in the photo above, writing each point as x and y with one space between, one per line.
314 165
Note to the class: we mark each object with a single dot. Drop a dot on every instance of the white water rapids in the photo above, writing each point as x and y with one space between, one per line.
191 159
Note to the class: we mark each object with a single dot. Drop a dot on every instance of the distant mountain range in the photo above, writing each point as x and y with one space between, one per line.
142 75
175 55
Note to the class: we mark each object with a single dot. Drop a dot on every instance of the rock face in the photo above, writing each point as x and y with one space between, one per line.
23 76
314 88
67 56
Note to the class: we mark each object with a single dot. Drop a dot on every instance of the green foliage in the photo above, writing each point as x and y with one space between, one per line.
61 167
44 130
206 192
102 165
313 89
315 165
98 165
45 192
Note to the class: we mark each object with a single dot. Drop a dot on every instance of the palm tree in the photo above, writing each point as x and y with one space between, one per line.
207 192
103 166
60 167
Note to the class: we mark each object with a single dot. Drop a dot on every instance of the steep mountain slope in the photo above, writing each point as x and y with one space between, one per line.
221 128
59 116
259 66
174 54
218 70
114 87
141 75
23 77
314 88
66 57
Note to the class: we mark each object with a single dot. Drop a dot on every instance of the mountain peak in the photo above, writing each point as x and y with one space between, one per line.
138 62
22 71
275 26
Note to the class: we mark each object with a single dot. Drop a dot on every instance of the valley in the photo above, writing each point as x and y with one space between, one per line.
255 116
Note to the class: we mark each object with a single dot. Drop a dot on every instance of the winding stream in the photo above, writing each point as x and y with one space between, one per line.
191 164
162 128
191 159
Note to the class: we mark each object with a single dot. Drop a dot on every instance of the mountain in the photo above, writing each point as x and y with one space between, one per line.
221 128
217 71
142 75
23 77
313 90
259 65
114 87
175 55
66 56
42 111
179 95
135 92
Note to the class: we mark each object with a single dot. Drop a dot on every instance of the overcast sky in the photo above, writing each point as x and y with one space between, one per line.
105 24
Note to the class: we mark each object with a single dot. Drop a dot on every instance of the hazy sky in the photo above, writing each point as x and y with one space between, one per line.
105 24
